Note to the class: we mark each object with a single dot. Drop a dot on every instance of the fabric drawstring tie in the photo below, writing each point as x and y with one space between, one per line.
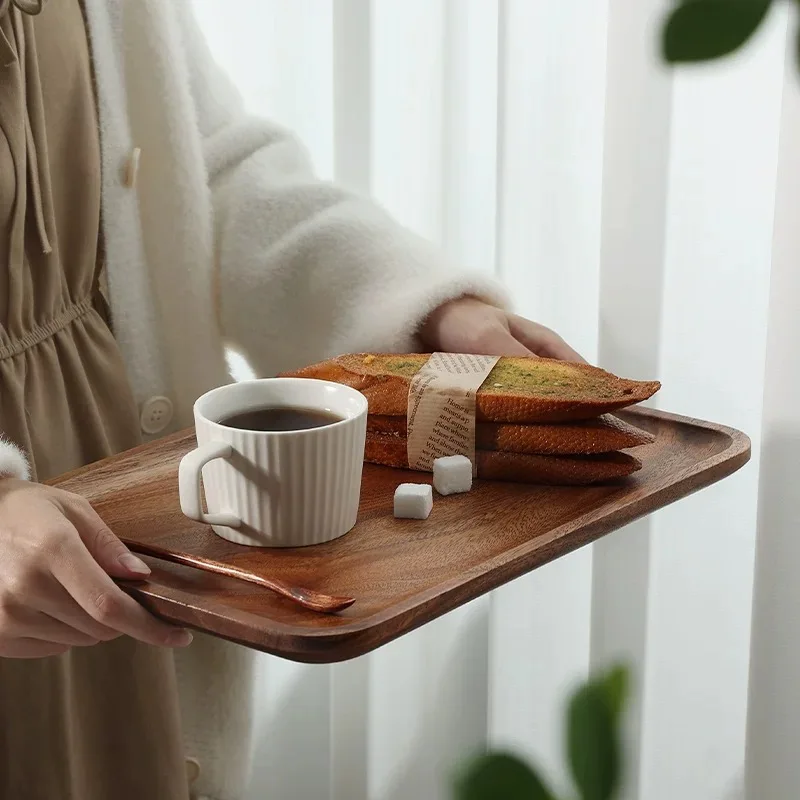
32 8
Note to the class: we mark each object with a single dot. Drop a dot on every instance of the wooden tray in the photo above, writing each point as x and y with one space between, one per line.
403 573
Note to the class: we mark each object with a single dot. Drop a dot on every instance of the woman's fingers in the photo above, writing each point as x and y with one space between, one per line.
106 549
48 629
61 606
107 604
31 648
54 589
31 624
497 340
75 568
541 340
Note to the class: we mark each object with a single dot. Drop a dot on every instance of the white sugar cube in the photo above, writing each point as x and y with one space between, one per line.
413 501
452 475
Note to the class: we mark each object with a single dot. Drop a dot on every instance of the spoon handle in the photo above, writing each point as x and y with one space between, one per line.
307 598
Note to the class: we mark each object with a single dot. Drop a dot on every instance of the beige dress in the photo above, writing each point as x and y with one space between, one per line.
98 723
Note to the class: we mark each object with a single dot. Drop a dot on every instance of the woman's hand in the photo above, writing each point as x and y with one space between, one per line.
56 563
472 326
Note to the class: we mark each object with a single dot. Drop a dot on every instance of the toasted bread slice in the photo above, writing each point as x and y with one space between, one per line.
518 390
603 435
518 467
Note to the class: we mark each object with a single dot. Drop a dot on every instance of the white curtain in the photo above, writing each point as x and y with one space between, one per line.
640 212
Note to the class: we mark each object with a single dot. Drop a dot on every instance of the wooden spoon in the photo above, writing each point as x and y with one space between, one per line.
307 598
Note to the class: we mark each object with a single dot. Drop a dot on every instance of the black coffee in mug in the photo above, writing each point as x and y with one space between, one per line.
280 419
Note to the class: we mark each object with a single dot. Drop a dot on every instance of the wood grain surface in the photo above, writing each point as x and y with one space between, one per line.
403 573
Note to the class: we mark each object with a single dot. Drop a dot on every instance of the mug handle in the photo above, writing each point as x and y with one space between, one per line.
189 477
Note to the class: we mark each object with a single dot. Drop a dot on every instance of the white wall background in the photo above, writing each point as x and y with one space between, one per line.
640 212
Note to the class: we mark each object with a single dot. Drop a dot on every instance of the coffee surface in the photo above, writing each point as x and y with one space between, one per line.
280 419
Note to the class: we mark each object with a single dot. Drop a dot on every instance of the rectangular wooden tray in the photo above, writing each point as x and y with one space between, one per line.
403 573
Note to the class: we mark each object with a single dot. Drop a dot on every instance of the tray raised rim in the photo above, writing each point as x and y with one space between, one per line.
352 639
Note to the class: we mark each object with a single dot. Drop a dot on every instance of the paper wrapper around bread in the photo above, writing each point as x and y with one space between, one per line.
440 417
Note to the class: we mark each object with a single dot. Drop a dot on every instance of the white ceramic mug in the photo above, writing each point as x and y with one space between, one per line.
277 488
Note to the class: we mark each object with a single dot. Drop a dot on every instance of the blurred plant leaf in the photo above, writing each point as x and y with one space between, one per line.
616 684
499 776
699 30
592 738
594 714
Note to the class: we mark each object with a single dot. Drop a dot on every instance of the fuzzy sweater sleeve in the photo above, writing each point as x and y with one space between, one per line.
13 463
306 269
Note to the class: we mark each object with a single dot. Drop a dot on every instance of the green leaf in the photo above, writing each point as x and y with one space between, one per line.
499 776
699 30
615 684
593 742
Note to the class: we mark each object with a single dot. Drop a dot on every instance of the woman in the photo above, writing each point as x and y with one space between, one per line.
145 223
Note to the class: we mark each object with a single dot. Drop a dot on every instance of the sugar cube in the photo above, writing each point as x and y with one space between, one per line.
452 475
413 501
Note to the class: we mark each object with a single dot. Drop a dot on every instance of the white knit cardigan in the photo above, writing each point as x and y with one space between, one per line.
227 238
